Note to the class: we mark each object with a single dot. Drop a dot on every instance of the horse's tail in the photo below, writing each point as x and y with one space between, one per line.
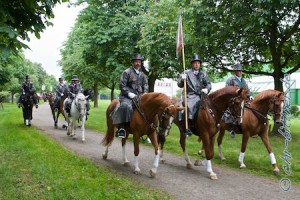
109 137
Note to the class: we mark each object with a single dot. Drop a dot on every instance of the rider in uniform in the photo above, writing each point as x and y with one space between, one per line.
133 82
28 89
197 83
61 88
73 89
235 80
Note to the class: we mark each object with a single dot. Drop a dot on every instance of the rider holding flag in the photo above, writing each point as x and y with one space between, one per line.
197 83
133 82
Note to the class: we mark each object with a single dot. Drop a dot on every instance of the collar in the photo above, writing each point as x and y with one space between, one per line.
240 78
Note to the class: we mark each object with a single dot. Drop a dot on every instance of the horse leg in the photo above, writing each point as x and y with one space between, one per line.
153 170
161 141
265 138
182 144
201 151
208 147
82 128
126 162
243 149
137 170
219 140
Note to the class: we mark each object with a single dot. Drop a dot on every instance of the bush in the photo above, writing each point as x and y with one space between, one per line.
294 110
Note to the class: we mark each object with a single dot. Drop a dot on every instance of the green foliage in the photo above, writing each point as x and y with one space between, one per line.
294 110
35 167
18 18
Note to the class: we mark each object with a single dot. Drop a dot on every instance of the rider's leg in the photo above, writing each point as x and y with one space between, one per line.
35 100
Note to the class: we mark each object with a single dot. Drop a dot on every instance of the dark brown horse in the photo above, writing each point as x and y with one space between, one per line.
57 112
255 122
144 122
208 120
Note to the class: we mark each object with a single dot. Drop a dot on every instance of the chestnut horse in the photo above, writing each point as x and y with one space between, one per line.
144 122
57 112
255 122
208 120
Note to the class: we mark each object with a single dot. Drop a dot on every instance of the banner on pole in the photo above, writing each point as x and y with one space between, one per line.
179 37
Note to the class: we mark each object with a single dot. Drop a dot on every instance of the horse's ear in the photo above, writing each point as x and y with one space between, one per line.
86 97
238 91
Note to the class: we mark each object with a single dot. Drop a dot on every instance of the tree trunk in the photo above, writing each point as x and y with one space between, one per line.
12 98
151 83
277 82
96 94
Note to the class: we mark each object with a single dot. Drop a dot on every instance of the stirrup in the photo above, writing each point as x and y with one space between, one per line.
188 132
232 134
121 133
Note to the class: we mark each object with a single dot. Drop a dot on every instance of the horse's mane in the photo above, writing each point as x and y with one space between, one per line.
157 96
267 93
222 91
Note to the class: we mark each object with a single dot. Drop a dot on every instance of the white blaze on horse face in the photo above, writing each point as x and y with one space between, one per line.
167 130
281 110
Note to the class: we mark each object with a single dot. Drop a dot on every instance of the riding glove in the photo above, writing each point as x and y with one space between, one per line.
204 90
131 95
183 76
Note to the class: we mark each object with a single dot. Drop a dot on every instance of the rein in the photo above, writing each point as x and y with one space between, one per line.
137 105
257 113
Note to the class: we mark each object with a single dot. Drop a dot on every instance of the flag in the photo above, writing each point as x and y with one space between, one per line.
179 37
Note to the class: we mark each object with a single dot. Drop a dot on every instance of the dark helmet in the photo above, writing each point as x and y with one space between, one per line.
138 57
60 79
237 67
75 78
196 58
27 77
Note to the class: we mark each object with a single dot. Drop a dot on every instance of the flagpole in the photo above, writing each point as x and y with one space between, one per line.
184 89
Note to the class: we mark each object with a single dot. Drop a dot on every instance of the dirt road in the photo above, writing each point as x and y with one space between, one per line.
172 177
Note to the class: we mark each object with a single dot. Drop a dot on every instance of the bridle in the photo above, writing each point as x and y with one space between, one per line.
167 116
232 109
276 101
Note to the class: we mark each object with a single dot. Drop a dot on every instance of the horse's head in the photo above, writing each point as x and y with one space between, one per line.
89 93
276 106
80 103
236 105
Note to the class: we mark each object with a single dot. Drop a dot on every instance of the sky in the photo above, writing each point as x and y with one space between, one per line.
46 50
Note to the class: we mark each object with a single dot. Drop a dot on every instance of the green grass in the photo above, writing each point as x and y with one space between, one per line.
32 166
256 156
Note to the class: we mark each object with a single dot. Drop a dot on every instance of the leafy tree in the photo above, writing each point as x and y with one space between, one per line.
18 18
253 33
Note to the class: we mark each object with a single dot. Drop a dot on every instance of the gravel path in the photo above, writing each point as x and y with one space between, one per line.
172 177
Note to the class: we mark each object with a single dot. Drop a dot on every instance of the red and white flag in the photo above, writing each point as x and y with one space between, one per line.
179 37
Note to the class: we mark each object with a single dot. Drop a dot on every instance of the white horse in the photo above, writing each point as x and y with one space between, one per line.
78 111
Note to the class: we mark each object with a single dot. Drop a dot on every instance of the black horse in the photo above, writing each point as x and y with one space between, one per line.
26 101
89 92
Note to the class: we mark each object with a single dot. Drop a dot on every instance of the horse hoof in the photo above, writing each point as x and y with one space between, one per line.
197 163
126 164
200 152
276 172
213 176
104 156
152 173
189 166
243 166
137 172
83 141
162 161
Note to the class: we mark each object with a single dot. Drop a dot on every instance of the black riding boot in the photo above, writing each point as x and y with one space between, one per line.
121 132
189 131
231 128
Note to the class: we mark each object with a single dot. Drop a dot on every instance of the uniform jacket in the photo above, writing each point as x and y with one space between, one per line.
61 88
234 81
130 81
74 89
194 84
27 88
